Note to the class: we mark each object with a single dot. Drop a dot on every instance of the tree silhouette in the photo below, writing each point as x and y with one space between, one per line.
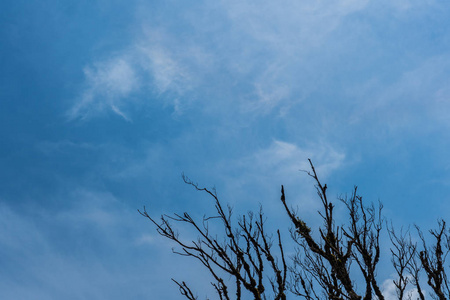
329 261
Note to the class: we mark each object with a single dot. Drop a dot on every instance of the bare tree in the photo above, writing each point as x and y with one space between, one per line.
325 261
433 261
246 253
329 263
404 261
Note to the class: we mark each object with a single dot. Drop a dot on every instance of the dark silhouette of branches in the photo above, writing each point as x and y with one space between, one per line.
330 262
246 254
185 290
433 261
404 261
325 261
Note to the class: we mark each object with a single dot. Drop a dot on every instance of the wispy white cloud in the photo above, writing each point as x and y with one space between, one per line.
269 92
166 71
284 159
162 60
264 48
108 84
148 65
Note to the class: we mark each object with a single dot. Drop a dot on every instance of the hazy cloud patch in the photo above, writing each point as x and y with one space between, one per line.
47 254
281 163
108 84
292 27
166 71
418 95
287 158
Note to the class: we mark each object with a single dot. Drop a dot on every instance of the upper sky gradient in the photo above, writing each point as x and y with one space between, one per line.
103 104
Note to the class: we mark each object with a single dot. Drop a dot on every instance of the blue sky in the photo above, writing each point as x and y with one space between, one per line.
103 104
